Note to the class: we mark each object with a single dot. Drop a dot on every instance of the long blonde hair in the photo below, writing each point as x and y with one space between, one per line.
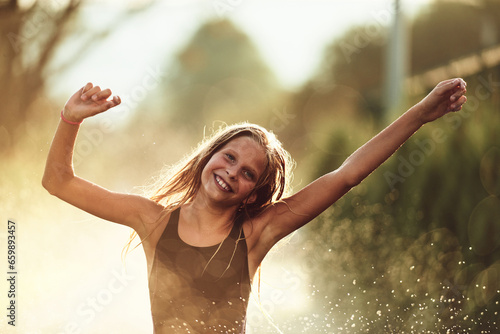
181 182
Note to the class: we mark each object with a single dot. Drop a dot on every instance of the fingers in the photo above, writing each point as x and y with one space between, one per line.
455 89
95 93
101 95
109 104
458 98
454 85
114 102
90 92
452 93
87 87
457 106
98 95
458 82
460 91
448 83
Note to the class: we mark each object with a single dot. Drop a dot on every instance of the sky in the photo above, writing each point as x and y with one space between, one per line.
289 34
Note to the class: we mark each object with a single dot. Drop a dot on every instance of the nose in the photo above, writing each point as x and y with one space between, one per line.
232 172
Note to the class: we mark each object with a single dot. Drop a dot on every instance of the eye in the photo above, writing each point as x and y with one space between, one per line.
230 157
248 175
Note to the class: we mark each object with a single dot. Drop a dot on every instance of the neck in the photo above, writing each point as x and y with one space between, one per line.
209 218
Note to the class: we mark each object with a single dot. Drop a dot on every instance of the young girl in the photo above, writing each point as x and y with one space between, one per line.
207 229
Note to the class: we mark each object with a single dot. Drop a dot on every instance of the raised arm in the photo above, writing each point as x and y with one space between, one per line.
447 96
59 177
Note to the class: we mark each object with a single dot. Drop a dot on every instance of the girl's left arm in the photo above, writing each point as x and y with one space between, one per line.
302 207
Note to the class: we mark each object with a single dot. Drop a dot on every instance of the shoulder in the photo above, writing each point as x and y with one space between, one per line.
151 215
153 226
261 234
259 230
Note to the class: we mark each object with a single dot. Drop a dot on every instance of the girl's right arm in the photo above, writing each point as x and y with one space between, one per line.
59 178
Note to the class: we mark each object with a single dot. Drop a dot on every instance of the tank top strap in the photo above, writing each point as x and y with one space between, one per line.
237 230
172 228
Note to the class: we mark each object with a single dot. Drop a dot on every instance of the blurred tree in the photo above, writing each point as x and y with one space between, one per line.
29 39
355 61
31 36
219 75
436 185
437 38
347 88
446 30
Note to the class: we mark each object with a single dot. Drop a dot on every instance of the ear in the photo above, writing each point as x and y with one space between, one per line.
251 199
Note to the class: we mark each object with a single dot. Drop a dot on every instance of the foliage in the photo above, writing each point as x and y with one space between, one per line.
219 76
415 247
32 36
29 39
447 30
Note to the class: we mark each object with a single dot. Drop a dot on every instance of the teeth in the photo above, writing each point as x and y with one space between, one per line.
222 183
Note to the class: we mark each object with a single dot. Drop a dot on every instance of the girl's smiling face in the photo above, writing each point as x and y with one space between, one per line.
233 171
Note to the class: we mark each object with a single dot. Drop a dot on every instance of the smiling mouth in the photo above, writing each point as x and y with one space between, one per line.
223 184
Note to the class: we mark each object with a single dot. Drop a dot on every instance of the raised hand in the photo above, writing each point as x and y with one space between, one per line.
87 102
447 96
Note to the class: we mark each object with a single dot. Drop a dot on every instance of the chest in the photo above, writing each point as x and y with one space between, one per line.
193 236
208 268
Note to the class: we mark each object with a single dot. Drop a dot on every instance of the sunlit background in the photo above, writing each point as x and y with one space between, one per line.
414 249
